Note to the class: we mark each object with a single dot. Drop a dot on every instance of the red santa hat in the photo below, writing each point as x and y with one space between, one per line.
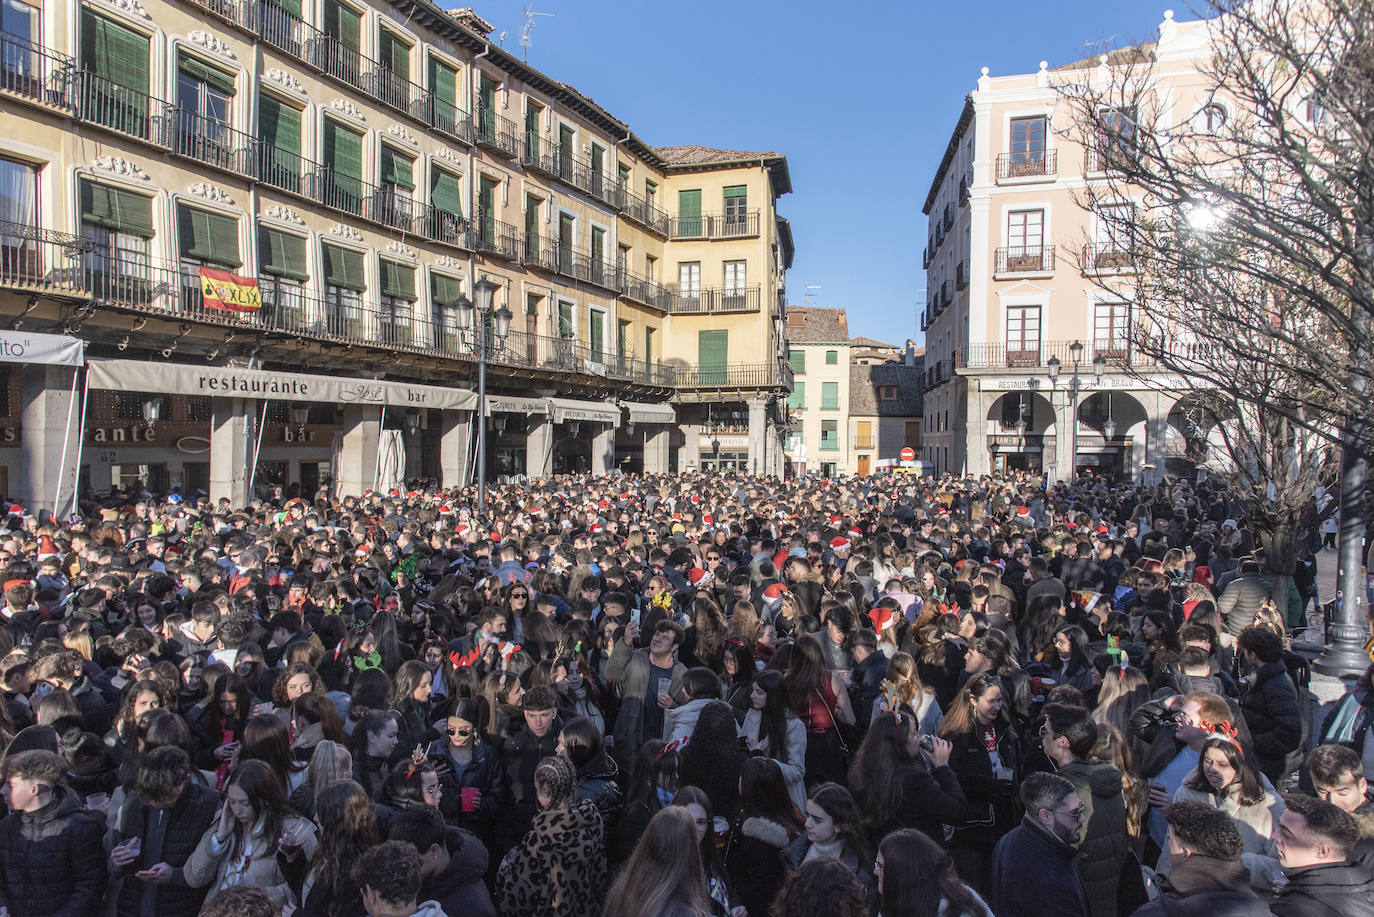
708 519
882 618
463 529
773 593
699 578
855 532
839 543
595 528
1023 512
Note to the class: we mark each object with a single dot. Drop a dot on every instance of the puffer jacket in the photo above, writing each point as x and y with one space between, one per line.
1327 890
51 860
1269 702
1105 845
187 821
596 782
459 889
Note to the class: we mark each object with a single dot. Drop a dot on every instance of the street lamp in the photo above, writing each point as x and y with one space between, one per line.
465 311
152 412
1054 366
300 416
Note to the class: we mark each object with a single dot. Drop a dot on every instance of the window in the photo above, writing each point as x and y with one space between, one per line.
565 318
446 206
115 87
343 26
486 211
863 434
206 240
279 128
648 345
395 202
830 435
1025 241
119 223
18 219
734 285
650 268
532 240
1016 407
830 396
533 146
598 256
397 301
19 71
1115 225
796 359
622 338
567 235
567 147
623 174
736 210
913 432
797 400
1023 336
887 393
596 335
342 187
344 285
486 109
1028 145
689 281
650 194
1213 117
713 354
281 277
443 293
443 91
598 167
1111 328
832 358
689 222
393 70
1116 139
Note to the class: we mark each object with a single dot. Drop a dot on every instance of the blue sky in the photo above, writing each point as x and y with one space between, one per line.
861 96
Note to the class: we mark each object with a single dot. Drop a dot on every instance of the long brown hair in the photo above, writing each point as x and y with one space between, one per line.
267 796
805 668
664 870
961 718
348 827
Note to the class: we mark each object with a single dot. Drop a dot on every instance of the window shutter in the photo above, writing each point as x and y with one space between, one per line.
291 6
197 70
208 236
343 23
112 208
111 51
443 83
444 290
736 191
797 400
397 169
445 192
394 54
597 333
281 254
343 151
713 349
343 268
830 396
280 128
796 360
398 281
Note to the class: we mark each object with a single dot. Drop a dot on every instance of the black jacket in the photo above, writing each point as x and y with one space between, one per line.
485 773
867 686
1329 890
1205 887
522 754
596 781
930 800
187 822
1269 702
754 861
51 861
1033 875
95 708
986 794
1103 850
459 888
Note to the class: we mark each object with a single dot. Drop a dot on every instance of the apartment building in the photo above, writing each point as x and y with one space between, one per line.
855 402
1029 357
263 224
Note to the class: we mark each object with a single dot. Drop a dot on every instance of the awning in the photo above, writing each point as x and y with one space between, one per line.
597 411
53 349
513 404
643 412
234 382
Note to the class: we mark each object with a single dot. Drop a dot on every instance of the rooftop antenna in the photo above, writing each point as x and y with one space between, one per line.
810 297
527 29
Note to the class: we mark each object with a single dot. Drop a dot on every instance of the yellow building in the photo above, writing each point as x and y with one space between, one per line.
1021 279
295 201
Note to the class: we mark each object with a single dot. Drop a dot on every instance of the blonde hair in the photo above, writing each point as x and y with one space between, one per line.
902 675
79 641
330 762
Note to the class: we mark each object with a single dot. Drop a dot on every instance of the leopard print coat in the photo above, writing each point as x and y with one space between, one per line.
558 869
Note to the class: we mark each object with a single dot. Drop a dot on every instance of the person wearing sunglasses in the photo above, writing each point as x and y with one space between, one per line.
472 778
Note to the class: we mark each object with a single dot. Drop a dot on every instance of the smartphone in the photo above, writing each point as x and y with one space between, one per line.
634 616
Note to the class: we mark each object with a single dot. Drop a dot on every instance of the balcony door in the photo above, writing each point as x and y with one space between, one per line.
1025 240
567 229
1111 329
1023 336
1027 146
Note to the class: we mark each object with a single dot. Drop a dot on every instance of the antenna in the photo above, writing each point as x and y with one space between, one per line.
810 297
528 29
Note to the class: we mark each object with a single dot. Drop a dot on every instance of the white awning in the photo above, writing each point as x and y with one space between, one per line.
564 409
643 412
235 382
510 404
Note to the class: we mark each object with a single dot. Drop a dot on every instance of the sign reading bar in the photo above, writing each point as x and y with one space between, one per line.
234 382
229 292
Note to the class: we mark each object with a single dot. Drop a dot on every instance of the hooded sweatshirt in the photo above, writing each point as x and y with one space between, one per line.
459 889
1105 844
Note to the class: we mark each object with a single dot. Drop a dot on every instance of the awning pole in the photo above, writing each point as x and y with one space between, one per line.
66 439
80 441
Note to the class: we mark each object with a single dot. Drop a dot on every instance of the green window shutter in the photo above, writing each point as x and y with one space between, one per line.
689 213
443 83
488 90
796 359
111 51
281 254
598 246
713 352
343 150
208 236
344 23
113 208
291 6
279 126
797 400
398 281
736 191
445 192
832 357
444 290
830 396
597 334
397 169
343 268
197 70
393 54
532 128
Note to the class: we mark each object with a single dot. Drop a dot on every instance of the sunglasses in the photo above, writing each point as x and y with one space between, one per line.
460 733
519 595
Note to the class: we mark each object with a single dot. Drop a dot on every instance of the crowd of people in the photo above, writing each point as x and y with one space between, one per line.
672 697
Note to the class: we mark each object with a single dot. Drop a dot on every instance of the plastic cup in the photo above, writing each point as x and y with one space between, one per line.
469 798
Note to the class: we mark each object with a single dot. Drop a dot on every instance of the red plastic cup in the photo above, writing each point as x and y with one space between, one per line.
469 794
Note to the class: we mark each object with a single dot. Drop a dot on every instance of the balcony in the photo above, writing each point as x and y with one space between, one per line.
965 187
1036 355
936 374
961 275
715 226
733 375
925 257
1118 156
35 73
1038 259
39 261
496 133
710 301
571 169
568 261
645 291
241 13
1027 166
948 222
946 293
1108 258
488 236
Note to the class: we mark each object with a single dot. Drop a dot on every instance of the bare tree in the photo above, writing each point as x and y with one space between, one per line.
1250 236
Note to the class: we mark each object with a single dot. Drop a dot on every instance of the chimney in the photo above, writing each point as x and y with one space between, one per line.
469 20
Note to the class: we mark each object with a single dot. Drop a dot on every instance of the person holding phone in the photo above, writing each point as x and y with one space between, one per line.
648 679
471 772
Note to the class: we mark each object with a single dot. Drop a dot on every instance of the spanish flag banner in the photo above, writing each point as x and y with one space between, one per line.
229 292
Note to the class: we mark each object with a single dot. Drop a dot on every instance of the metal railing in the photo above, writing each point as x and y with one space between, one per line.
1107 256
946 293
35 73
715 226
1034 259
489 236
1110 156
1117 352
645 213
734 375
961 274
565 165
1027 164
569 261
714 300
948 222
241 13
643 290
864 442
496 133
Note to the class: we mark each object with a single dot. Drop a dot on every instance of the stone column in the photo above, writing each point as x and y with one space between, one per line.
603 448
758 434
362 432
977 461
691 447
1157 406
454 440
47 400
231 448
1064 420
656 448
539 447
